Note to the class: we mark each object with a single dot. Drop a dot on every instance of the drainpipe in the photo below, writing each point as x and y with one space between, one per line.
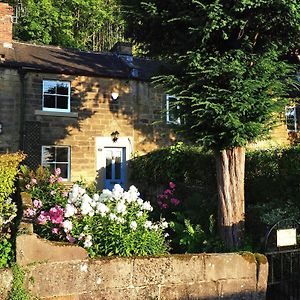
22 74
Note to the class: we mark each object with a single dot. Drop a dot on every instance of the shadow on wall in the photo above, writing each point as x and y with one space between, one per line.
137 112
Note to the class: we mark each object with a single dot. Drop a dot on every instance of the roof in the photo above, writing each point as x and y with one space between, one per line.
52 59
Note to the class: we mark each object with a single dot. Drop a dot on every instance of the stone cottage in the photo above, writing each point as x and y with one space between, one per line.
85 112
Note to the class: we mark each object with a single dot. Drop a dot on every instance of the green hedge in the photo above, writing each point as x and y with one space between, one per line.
8 170
272 182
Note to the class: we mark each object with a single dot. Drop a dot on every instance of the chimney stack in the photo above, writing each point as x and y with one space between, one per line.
6 15
122 48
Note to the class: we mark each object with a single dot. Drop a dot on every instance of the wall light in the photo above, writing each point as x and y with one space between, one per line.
114 136
114 96
1 128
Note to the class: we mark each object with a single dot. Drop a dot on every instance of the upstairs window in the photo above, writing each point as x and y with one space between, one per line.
55 157
56 96
292 115
172 110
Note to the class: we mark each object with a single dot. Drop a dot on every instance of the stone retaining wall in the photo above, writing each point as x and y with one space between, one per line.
195 276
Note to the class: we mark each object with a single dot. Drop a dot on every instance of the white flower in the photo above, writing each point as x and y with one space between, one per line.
88 241
166 234
67 225
117 191
102 209
140 201
120 220
86 208
139 214
154 227
96 197
132 195
81 236
147 206
112 216
121 208
148 224
133 225
93 203
75 194
105 195
70 210
164 224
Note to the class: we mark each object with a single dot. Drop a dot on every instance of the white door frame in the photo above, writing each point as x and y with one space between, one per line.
106 142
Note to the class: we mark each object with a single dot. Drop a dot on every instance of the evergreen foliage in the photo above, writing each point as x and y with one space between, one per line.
84 24
231 74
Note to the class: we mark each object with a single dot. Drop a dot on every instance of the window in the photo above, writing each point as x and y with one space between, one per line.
292 115
55 157
56 96
172 110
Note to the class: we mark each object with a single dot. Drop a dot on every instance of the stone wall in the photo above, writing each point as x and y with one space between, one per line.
10 90
201 276
194 276
93 114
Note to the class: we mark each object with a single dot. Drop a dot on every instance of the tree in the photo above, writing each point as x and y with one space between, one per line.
83 24
231 74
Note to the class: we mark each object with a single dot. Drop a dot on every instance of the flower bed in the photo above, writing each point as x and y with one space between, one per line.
109 223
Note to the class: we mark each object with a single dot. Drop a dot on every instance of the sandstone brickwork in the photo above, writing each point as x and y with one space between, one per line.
197 276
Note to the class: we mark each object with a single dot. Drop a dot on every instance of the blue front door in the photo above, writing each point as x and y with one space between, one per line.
114 167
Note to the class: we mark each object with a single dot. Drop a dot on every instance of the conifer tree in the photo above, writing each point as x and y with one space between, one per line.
231 74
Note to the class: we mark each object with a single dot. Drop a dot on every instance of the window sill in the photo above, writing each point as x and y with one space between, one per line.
56 114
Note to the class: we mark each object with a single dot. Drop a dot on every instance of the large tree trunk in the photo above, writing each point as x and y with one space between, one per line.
230 165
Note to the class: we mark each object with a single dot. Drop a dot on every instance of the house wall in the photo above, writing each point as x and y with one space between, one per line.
10 90
93 114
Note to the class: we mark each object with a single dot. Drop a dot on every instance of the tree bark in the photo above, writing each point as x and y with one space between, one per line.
230 164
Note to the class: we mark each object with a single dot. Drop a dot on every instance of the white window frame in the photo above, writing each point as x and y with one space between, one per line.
45 163
168 116
67 96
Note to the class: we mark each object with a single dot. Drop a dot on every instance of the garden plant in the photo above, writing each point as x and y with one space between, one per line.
108 223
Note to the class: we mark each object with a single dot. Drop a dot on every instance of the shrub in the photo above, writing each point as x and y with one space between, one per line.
111 223
44 186
271 184
8 210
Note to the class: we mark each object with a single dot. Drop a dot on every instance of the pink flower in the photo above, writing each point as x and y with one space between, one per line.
37 203
57 171
70 239
168 192
56 214
53 192
52 179
172 185
28 186
59 179
175 201
65 194
30 212
33 181
55 230
43 218
164 206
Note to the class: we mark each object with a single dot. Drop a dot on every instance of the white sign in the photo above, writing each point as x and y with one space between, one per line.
286 237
